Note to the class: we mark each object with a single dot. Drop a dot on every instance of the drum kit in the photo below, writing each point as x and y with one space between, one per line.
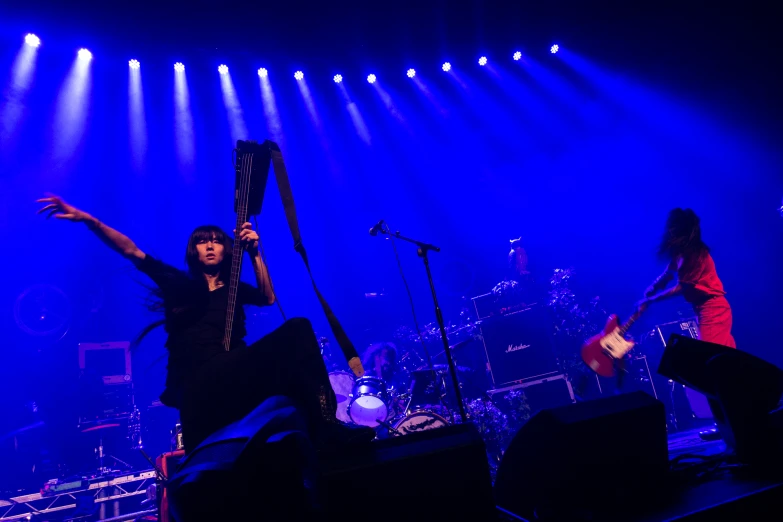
415 396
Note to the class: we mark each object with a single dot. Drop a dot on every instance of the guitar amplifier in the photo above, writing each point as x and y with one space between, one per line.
519 346
700 408
689 327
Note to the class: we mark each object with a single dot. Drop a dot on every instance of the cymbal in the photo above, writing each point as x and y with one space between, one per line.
340 398
24 429
444 367
100 427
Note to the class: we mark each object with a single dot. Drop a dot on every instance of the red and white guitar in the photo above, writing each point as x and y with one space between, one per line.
604 350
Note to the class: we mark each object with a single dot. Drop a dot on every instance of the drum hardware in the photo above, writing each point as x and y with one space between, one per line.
100 453
369 401
389 427
134 429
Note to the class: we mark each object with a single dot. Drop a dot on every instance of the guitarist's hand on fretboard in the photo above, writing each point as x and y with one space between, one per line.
248 238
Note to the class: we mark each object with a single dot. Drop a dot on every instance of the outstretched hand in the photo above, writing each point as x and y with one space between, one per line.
248 238
57 207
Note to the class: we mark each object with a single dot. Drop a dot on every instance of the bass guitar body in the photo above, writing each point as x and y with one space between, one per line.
602 351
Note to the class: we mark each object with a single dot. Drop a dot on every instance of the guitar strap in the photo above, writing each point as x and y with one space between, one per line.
283 185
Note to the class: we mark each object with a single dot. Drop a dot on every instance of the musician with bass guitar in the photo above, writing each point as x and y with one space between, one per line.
214 378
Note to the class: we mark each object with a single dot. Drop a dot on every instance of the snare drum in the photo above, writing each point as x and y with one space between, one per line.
369 401
419 421
342 384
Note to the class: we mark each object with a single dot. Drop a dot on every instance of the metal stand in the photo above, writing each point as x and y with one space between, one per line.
422 250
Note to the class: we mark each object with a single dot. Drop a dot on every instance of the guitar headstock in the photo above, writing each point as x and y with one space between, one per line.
251 164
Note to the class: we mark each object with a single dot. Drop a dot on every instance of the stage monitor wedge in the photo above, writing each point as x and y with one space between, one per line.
744 394
586 459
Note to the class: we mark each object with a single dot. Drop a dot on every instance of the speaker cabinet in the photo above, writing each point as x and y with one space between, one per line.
585 459
440 474
519 346
743 391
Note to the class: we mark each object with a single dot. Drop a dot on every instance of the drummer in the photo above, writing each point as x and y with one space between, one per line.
380 360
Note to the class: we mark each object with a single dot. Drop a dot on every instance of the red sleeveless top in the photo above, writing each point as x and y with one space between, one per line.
698 278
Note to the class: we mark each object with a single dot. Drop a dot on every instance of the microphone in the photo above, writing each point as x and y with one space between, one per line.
376 228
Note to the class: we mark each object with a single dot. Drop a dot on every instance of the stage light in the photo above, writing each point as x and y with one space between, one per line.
338 78
179 67
223 69
483 60
371 78
134 64
262 72
446 67
32 40
85 55
517 56
411 73
554 49
298 75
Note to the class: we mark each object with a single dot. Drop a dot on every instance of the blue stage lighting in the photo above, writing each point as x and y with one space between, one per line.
32 40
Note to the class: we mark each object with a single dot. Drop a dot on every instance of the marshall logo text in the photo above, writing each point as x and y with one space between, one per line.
512 348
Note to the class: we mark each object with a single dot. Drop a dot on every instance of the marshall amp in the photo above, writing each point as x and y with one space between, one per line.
519 346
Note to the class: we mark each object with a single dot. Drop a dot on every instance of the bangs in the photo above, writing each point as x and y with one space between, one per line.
210 232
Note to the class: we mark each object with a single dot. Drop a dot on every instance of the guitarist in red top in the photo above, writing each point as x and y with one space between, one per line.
692 267
690 264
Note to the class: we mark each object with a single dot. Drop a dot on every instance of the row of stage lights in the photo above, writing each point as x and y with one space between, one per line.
33 41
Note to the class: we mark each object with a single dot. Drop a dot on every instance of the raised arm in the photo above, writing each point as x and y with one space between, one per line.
249 239
116 240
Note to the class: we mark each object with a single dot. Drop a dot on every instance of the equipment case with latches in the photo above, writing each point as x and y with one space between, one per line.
549 392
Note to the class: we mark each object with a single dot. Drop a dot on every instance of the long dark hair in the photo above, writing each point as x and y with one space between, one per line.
206 233
186 298
682 236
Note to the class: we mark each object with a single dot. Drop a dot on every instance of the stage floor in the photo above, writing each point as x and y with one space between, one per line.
711 491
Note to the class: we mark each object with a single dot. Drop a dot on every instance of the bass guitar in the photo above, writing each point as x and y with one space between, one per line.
251 164
603 351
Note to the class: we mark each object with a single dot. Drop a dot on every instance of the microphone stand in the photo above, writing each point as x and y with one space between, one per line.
422 250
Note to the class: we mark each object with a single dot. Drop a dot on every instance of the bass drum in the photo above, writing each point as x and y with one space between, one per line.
342 384
419 421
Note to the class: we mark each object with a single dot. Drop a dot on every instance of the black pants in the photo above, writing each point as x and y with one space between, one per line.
285 362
